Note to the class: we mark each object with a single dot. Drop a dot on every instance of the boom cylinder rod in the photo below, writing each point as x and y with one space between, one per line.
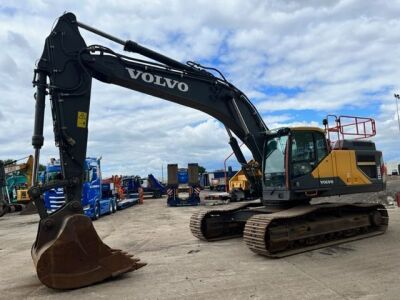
101 33
238 152
132 46
235 147
228 131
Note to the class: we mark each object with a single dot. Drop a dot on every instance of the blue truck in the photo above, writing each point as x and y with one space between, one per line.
97 200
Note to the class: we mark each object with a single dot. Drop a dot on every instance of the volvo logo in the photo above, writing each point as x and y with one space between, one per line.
158 80
327 181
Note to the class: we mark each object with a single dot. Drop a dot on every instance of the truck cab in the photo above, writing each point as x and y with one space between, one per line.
95 202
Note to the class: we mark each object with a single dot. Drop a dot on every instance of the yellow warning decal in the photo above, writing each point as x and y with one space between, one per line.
82 119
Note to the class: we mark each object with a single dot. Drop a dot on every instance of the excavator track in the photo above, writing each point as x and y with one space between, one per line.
306 228
3 208
219 228
6 208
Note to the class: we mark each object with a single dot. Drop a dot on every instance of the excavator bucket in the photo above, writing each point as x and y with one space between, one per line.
69 254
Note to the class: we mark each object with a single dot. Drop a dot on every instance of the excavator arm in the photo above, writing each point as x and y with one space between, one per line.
65 71
70 66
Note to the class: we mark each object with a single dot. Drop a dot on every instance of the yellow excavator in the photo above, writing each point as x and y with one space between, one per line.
27 168
297 164
240 187
9 203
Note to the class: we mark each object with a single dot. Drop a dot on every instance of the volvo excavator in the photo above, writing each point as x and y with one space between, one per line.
297 163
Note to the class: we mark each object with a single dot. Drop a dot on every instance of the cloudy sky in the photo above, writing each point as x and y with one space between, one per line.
296 60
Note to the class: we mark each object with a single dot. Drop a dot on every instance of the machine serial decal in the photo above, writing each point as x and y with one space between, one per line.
82 119
158 80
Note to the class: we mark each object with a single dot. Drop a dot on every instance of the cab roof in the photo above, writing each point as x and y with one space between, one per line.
307 128
299 128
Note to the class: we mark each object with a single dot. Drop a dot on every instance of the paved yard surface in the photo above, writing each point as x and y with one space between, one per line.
181 267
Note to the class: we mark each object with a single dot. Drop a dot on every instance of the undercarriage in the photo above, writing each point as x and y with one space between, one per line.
277 232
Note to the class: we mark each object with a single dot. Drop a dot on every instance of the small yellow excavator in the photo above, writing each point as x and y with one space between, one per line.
27 168
297 164
11 204
240 187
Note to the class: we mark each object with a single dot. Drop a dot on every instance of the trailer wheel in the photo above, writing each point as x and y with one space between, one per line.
110 207
114 205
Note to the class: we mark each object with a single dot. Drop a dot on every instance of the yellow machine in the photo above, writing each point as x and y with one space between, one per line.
22 195
8 203
239 182
240 187
27 168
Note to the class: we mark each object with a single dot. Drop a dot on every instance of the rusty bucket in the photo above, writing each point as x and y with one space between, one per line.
69 254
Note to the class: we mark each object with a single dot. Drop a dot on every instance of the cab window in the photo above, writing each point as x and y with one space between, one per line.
320 143
91 174
303 153
53 176
274 165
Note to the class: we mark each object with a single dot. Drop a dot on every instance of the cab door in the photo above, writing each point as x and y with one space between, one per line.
325 170
308 149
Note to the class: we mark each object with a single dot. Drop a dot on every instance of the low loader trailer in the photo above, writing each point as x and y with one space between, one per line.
183 187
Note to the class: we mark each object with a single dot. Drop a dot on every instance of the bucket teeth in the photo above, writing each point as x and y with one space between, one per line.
74 256
139 265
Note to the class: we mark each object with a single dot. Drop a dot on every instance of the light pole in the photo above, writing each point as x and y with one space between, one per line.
397 96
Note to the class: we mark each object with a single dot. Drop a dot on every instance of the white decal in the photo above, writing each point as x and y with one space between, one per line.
326 181
133 74
158 80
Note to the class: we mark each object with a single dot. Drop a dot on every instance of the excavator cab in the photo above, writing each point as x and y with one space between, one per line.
291 154
300 164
